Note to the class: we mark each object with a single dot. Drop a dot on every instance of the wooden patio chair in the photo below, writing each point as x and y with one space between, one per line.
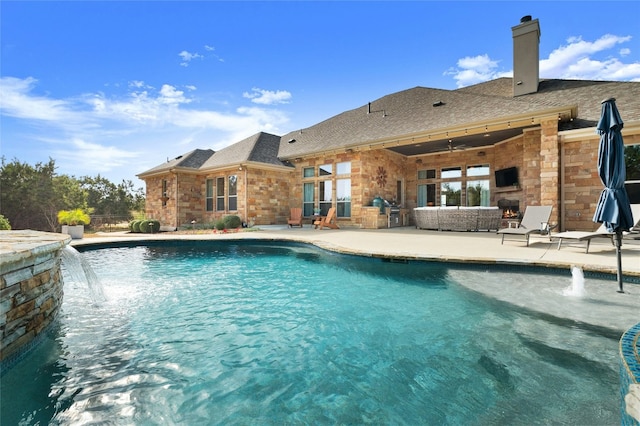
327 221
296 217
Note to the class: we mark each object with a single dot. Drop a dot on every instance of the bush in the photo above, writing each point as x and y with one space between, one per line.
154 225
131 225
144 226
4 223
136 225
149 226
232 222
220 225
73 217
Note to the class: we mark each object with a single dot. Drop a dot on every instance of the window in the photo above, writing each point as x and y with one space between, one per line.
451 172
220 194
308 200
478 193
308 172
326 200
427 174
165 195
481 170
343 168
343 198
427 195
325 170
233 193
209 195
632 164
450 193
478 190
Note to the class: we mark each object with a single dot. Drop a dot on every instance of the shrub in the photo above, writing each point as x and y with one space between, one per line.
73 217
232 222
220 225
144 226
154 225
136 225
4 223
131 225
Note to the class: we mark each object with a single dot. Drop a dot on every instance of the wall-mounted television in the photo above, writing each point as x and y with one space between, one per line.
506 177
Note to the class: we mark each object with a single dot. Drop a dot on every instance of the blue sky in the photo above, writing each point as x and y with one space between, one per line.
115 88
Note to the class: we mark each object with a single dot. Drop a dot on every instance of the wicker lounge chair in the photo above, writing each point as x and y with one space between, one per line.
534 221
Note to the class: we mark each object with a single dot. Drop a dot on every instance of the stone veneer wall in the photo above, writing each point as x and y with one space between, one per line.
30 288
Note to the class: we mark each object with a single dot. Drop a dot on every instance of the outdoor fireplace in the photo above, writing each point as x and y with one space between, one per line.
510 208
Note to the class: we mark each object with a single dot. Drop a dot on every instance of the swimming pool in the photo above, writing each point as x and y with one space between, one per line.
273 333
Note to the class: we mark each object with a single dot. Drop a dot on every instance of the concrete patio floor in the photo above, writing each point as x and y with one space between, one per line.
602 306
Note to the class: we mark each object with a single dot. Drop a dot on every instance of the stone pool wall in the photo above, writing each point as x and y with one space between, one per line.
630 376
30 288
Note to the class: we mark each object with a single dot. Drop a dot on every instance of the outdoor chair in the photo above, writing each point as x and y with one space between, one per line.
579 236
296 217
534 221
327 221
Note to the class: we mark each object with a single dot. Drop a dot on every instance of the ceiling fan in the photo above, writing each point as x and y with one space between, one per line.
451 147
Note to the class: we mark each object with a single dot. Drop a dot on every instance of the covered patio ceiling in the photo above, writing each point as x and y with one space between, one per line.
457 143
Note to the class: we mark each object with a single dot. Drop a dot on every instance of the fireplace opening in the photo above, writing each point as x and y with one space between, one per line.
510 208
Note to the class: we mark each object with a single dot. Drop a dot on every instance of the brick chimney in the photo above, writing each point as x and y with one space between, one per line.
526 56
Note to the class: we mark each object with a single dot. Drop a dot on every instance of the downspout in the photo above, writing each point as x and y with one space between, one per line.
246 199
177 210
561 205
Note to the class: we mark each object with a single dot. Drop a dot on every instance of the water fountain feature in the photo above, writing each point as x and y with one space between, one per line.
576 289
78 269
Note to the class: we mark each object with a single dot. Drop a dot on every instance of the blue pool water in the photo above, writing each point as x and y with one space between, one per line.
268 333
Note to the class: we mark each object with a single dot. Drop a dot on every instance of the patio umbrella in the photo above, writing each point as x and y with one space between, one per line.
613 209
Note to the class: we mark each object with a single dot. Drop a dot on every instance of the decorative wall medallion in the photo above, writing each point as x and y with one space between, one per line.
381 178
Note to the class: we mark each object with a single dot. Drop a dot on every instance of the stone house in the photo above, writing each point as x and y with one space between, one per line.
510 142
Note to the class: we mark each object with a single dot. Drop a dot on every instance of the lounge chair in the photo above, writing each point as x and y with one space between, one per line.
600 232
584 236
296 217
327 221
534 221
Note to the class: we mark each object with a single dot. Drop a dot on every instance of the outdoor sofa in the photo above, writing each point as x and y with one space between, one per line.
454 218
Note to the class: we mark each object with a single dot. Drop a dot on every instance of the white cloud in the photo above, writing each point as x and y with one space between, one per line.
97 133
187 57
16 101
268 97
578 59
92 156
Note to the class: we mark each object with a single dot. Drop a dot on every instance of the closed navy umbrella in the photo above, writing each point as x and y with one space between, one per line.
614 208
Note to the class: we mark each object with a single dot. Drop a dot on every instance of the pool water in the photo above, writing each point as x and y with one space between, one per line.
268 333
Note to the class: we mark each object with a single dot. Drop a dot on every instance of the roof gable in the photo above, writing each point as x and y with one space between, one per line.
261 147
191 160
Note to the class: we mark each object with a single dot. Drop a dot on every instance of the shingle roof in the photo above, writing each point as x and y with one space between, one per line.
191 160
261 147
402 113
414 110
411 111
586 94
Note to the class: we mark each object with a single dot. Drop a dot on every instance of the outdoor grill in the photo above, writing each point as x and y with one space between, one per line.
394 215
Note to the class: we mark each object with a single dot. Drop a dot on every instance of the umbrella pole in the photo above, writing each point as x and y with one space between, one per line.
619 255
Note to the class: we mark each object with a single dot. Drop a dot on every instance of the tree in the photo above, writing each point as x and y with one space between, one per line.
26 193
32 196
107 198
